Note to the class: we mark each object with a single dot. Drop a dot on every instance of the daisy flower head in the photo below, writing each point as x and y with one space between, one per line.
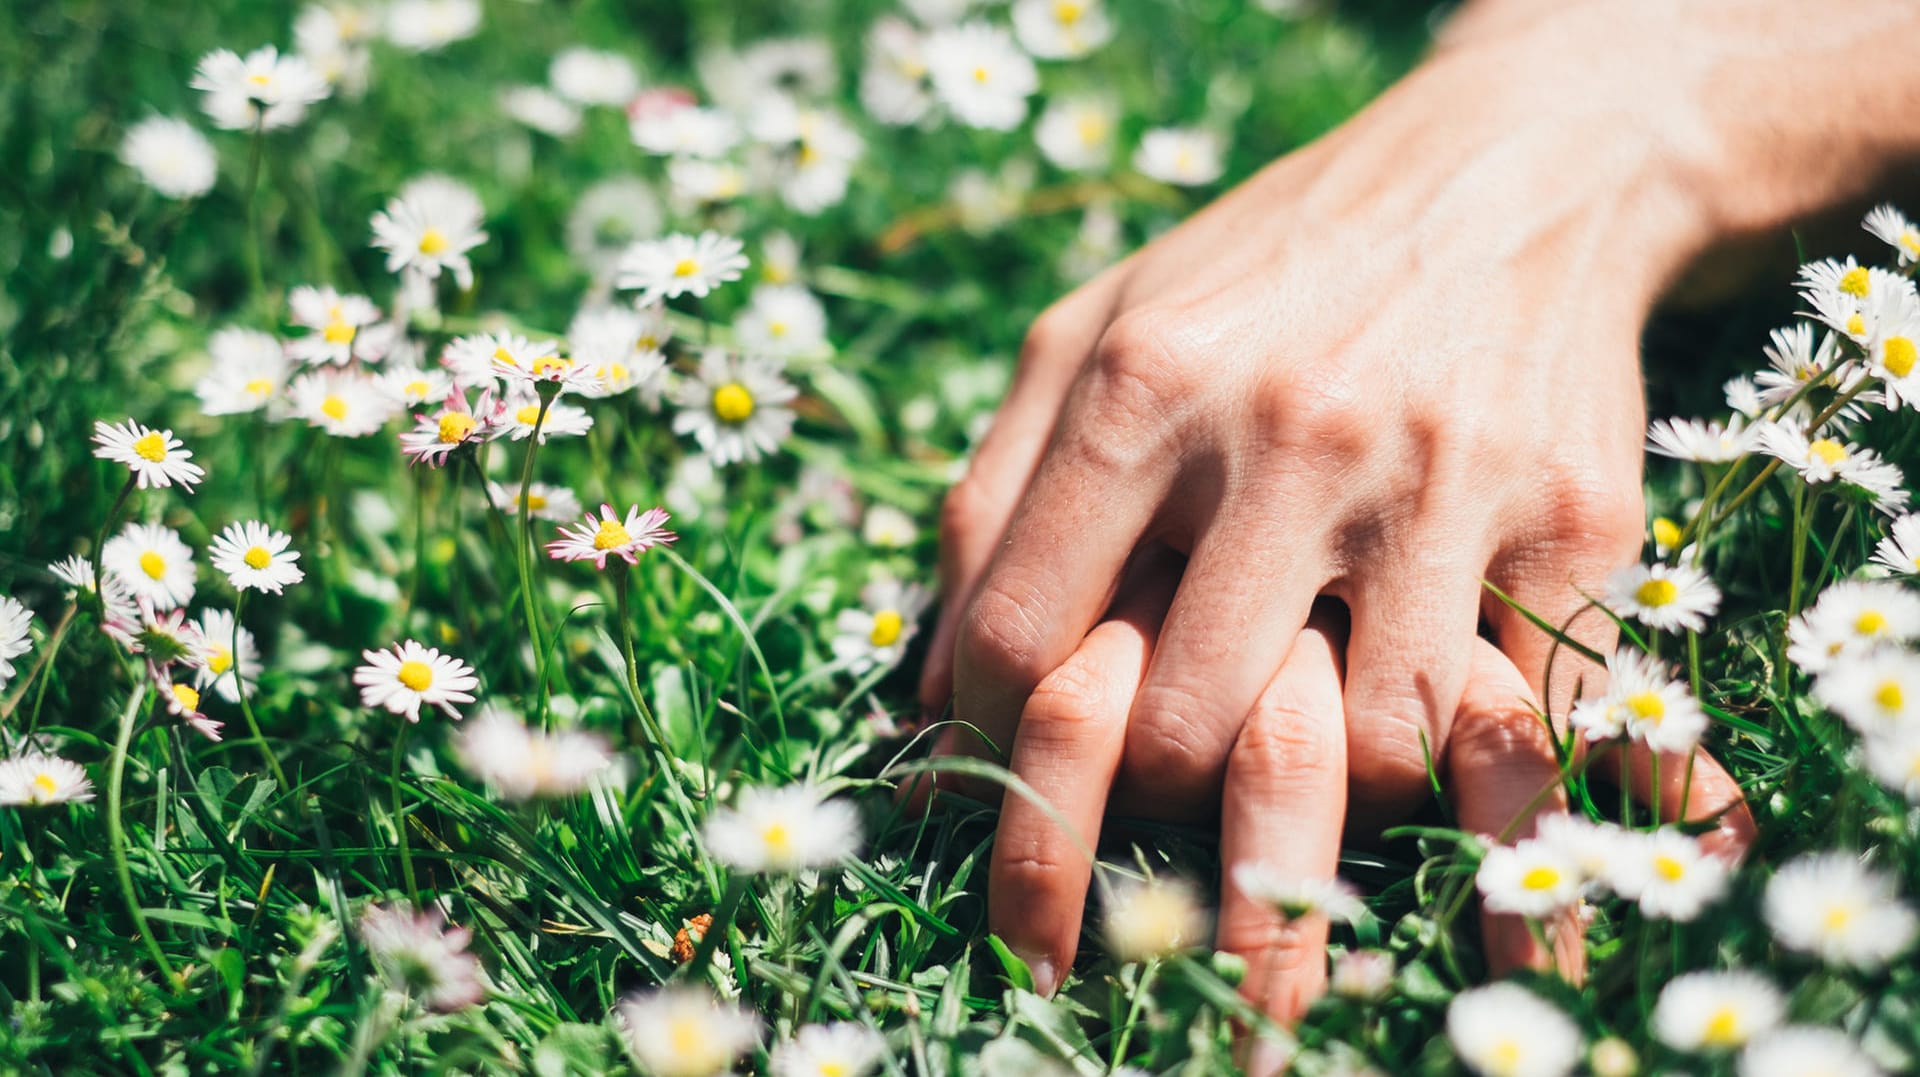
840 1049
1794 360
893 83
814 169
1839 910
216 664
333 37
16 634
541 109
1592 848
247 372
1890 226
620 347
171 156
183 702
735 407
411 387
1151 918
1183 156
782 320
611 535
1899 552
418 954
1533 878
337 322
1669 874
1505 1030
263 89
876 632
1892 349
35 779
163 637
1893 758
1852 617
1641 702
1743 396
498 748
683 1031
783 831
593 77
888 528
1716 1011
1295 897
1362 975
982 77
407 676
519 414
155 457
255 557
343 403
427 25
436 436
1061 29
1846 295
1669 598
693 184
680 264
1698 441
154 564
1875 693
1075 134
555 504
1806 1051
429 228
688 131
522 362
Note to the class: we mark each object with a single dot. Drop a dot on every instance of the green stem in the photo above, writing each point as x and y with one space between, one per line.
623 613
256 257
117 834
1133 1015
246 707
722 923
523 549
1802 513
400 815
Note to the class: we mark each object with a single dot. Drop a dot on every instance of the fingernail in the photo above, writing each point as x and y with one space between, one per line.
1046 976
1266 1059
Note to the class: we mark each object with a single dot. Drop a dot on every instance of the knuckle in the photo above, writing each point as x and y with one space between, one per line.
1067 698
1592 512
1171 738
1389 758
1137 365
1283 738
1500 730
967 503
1028 867
1321 412
1000 635
1051 336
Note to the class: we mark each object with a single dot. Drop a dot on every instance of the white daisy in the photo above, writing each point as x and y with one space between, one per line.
876 633
1700 442
155 457
337 322
248 371
426 25
255 557
1836 908
429 227
608 218
1533 878
171 156
682 1031
1504 1030
541 109
1892 227
153 563
888 528
264 88
782 831
611 535
1794 360
1361 975
1153 918
216 664
693 183
1593 848
438 434
16 634
1185 156
735 408
1892 352
544 502
183 702
1643 703
1846 295
408 675
1076 133
1852 617
1806 1051
1876 693
412 387
1716 1011
1668 873
497 748
418 954
688 131
333 37
1294 896
817 165
37 779
343 403
980 75
1743 396
782 320
620 348
1893 758
475 360
1061 29
1827 459
893 84
681 264
1662 596
520 411
841 1049
1900 550
593 77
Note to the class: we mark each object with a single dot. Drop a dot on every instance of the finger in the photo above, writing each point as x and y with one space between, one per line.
1504 774
1242 602
1066 749
1414 628
975 513
1100 483
1705 789
1282 809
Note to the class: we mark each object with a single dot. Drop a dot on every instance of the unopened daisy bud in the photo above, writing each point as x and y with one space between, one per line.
1613 1057
1294 896
408 676
255 557
1716 1011
683 1031
1665 597
1362 975
1153 918
36 779
841 1049
16 630
1834 907
154 457
783 831
1504 1030
1666 535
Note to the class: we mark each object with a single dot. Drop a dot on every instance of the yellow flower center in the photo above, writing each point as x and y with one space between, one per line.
1647 706
46 785
887 626
258 387
1890 696
1856 282
1656 592
456 426
416 675
536 502
220 661
646 343
980 74
732 403
1837 918
1898 355
433 241
501 353
150 446
1505 1058
528 414
1665 532
1910 239
685 267
1540 878
260 78
1827 451
551 364
1669 869
1092 128
1068 12
834 1068
1870 623
338 332
257 557
333 408
688 1038
189 699
416 390
777 838
154 565
612 535
1856 323
615 373
1723 1028
776 329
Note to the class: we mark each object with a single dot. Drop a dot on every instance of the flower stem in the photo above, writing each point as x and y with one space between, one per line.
117 834
622 612
256 258
246 708
522 549
400 815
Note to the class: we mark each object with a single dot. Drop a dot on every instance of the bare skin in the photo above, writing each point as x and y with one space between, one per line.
1397 362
